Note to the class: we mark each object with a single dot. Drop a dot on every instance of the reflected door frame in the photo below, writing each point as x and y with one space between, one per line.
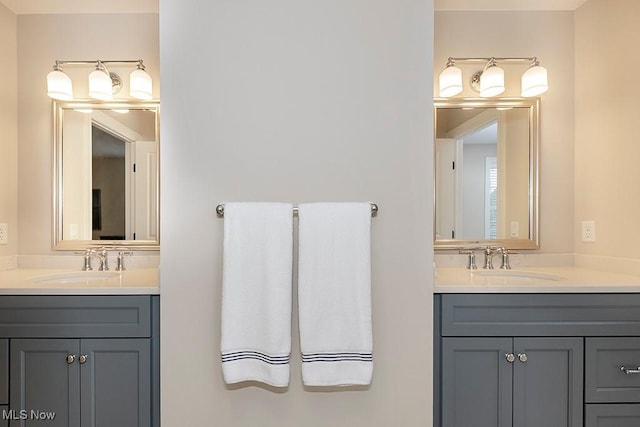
472 125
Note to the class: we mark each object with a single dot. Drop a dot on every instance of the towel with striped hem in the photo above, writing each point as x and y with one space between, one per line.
256 293
334 293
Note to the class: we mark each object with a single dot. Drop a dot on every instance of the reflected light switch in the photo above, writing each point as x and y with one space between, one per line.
515 225
73 231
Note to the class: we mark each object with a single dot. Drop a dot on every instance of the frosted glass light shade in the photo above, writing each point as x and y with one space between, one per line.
140 85
534 81
492 81
59 86
100 85
450 81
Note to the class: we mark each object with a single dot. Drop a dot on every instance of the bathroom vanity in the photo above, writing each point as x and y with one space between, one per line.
83 352
520 351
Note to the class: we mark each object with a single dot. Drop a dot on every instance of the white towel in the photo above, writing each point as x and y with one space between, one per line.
256 292
334 293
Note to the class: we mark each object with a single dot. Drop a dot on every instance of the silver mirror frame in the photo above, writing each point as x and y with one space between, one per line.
533 104
57 191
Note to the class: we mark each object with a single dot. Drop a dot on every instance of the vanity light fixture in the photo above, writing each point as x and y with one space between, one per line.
489 81
534 80
103 84
450 80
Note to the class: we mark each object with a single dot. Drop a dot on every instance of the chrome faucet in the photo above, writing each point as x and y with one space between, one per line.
489 252
102 255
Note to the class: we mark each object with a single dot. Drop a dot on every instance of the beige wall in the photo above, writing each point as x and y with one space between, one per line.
607 143
549 36
296 101
41 40
9 128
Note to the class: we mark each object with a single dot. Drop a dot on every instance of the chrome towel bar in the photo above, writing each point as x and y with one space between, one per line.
220 210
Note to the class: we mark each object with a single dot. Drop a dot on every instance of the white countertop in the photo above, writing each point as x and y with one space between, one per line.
571 280
46 281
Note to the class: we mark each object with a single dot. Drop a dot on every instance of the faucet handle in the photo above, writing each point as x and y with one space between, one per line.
471 265
86 255
120 260
506 264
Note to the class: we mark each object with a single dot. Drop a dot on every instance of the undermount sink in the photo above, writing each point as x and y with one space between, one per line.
75 277
518 275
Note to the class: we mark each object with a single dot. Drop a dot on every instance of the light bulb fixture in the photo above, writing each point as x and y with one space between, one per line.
100 86
450 80
140 84
534 80
59 84
489 81
103 85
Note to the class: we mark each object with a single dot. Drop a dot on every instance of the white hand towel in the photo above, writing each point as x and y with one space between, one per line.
256 292
334 293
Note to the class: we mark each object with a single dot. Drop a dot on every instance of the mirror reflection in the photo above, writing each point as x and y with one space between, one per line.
485 173
106 175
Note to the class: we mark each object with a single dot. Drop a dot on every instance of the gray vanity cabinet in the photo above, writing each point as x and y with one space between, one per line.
86 361
522 360
84 382
504 382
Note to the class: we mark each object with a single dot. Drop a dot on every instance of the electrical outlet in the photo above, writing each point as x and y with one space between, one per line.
588 231
4 234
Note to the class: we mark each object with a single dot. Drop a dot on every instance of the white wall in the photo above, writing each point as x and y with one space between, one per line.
296 101
550 37
607 112
41 40
8 132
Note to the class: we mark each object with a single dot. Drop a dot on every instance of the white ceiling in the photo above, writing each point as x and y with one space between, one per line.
508 4
151 6
81 6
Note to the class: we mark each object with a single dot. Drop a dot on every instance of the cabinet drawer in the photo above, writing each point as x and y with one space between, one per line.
541 315
612 415
66 316
605 380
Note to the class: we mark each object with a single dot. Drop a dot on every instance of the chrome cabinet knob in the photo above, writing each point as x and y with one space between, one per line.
522 357
510 357
71 358
82 359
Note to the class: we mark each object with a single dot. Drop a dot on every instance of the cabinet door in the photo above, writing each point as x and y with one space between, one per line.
476 382
116 383
43 383
548 384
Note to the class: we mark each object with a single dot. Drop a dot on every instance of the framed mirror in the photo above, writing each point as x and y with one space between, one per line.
486 173
106 174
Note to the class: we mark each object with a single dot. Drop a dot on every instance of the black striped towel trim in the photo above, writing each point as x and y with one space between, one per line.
256 355
337 357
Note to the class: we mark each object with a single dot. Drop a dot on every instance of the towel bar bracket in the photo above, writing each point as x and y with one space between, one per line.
220 210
